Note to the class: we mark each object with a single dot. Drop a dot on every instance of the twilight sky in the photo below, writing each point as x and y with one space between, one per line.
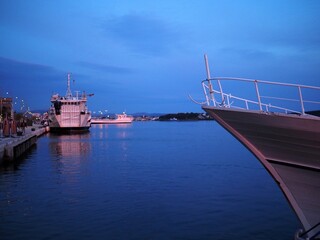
147 56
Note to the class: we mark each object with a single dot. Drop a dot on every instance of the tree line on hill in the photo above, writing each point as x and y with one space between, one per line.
185 117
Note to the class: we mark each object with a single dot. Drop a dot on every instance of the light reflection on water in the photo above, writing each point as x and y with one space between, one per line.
148 180
69 155
70 145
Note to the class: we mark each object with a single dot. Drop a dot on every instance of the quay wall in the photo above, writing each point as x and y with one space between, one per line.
13 147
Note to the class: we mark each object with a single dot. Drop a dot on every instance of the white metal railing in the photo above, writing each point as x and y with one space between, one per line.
214 95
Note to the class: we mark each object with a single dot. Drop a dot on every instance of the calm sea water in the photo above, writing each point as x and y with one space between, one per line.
148 180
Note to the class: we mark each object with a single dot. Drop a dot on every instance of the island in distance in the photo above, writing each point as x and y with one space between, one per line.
177 117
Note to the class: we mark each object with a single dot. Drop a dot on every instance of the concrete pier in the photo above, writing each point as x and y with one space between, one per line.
14 146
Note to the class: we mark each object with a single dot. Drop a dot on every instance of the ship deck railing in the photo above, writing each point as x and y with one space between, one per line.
264 95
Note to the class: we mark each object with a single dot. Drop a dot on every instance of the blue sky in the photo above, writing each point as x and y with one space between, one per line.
147 56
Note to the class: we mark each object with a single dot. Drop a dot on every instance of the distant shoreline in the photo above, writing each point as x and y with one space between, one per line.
185 117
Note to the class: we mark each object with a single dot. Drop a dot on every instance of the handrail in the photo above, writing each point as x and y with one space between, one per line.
210 89
263 81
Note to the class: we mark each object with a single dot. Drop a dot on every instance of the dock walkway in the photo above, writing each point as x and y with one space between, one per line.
14 146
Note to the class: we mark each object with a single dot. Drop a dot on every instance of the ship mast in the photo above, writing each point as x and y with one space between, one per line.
68 94
211 92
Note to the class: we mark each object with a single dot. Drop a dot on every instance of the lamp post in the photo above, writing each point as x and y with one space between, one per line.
1 110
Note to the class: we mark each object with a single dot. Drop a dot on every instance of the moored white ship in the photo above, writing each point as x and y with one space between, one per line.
285 140
69 113
120 119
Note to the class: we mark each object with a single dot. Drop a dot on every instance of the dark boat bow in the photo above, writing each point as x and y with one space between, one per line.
286 140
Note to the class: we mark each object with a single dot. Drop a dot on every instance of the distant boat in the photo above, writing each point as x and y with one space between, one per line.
69 113
285 140
120 119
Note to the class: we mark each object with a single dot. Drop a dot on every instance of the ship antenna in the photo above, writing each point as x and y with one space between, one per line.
68 94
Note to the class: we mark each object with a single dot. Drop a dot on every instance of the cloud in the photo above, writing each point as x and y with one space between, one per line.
143 34
12 68
247 53
105 68
19 76
29 81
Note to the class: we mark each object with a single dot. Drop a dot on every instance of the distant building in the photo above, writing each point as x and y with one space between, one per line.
5 107
36 115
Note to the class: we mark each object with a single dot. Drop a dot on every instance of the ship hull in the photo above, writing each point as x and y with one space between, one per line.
288 146
120 119
65 124
69 130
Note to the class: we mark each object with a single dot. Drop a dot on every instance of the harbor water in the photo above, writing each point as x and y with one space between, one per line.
146 180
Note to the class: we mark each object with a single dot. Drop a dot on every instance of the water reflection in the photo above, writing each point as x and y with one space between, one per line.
121 130
70 152
70 145
113 140
118 125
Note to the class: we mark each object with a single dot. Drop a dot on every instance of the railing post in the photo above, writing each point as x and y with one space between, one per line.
205 94
258 94
221 93
301 100
211 92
